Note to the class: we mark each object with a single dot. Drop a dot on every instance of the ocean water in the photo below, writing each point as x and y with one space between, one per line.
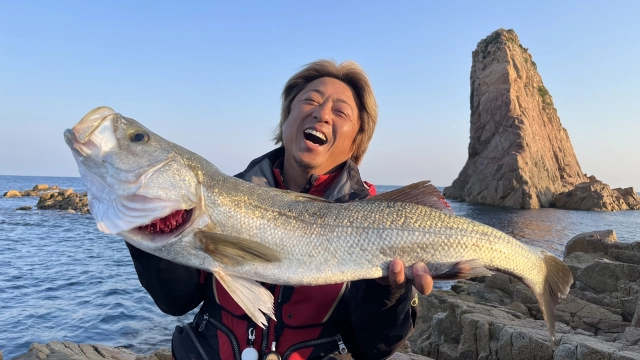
61 279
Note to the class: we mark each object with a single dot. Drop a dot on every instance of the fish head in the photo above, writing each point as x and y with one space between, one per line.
138 185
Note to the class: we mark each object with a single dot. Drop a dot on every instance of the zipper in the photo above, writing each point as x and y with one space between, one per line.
342 348
195 341
265 330
225 330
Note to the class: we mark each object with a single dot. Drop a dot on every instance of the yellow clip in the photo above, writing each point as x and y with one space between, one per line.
414 301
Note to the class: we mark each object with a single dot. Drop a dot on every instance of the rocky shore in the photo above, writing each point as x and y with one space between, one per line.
66 350
54 198
498 317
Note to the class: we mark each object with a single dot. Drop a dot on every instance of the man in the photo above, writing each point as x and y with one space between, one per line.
327 120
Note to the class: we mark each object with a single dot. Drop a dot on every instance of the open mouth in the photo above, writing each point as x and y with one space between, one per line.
169 223
315 137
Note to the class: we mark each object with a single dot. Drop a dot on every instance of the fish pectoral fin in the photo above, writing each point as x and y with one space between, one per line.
465 269
232 250
421 193
254 299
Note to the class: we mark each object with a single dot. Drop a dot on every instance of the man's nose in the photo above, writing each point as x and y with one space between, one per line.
323 112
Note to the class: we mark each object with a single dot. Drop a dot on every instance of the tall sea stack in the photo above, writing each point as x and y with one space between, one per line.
519 154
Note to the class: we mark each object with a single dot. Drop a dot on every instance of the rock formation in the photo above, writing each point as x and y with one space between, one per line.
36 191
519 154
598 196
54 198
64 200
498 317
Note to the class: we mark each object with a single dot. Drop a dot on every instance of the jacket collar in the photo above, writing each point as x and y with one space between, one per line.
348 185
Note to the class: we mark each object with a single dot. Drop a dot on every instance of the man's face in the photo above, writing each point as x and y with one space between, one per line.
319 132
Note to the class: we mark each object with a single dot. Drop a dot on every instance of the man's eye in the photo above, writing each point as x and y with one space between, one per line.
139 136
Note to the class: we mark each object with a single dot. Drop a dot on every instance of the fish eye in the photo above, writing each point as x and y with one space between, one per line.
139 136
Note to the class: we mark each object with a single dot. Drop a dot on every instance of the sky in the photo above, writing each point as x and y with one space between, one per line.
208 75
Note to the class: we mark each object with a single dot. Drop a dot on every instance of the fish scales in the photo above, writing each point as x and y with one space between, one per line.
310 230
244 233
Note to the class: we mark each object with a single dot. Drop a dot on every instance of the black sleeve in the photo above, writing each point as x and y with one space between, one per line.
381 317
175 288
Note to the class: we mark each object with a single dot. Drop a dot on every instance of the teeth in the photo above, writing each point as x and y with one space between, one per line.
316 133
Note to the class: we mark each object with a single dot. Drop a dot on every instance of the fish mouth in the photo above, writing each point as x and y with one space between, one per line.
169 224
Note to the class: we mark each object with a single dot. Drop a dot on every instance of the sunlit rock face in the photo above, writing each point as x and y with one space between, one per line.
519 154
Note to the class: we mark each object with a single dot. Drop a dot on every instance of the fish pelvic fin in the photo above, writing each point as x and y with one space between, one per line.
461 270
254 299
421 193
232 250
557 281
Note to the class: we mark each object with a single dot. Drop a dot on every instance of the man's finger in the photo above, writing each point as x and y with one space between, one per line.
396 274
422 280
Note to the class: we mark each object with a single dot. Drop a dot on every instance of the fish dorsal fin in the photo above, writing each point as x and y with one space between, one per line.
232 250
420 193
252 297
302 196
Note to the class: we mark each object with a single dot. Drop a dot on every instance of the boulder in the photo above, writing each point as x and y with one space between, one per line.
12 193
591 242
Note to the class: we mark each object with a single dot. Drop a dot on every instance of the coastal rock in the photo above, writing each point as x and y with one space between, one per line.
630 197
591 242
591 195
519 154
65 200
498 318
70 351
37 190
12 193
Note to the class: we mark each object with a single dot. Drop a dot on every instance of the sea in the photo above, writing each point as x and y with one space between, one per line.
62 279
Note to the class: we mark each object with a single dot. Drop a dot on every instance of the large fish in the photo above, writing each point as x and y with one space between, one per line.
171 202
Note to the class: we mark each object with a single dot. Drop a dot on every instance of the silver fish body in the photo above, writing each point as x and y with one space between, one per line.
244 233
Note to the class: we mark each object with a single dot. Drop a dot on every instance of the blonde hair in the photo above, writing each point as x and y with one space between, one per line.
350 73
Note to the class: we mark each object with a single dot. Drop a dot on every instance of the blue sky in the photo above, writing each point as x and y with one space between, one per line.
208 75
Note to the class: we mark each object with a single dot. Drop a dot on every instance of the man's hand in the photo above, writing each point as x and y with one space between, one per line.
422 280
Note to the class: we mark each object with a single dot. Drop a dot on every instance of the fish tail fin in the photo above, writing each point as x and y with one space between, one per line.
557 281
